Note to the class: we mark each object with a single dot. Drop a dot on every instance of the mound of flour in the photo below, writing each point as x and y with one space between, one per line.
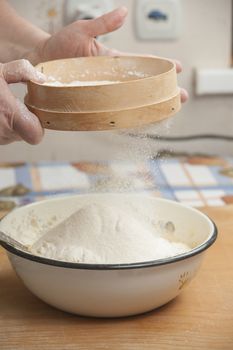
104 234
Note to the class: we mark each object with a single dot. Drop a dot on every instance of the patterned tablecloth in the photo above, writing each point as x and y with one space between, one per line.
195 181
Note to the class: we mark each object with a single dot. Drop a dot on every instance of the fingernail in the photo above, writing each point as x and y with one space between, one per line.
123 11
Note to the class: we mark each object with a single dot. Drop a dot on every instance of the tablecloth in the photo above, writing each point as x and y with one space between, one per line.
192 180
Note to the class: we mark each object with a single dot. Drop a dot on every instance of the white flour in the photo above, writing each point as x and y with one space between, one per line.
104 234
81 83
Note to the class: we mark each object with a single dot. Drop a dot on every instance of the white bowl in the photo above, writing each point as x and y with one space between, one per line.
107 290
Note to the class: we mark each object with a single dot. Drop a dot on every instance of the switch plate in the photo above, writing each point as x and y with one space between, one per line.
83 9
214 81
158 19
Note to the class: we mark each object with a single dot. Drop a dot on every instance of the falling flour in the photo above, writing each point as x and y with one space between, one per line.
105 234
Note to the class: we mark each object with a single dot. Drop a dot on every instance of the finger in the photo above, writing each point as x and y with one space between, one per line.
26 124
15 120
107 23
113 52
184 95
178 66
20 71
7 135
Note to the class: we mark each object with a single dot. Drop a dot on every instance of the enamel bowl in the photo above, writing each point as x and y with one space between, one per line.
107 290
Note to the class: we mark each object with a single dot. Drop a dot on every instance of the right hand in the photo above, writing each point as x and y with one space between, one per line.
16 121
78 39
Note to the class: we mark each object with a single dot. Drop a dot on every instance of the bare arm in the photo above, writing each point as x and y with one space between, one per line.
17 36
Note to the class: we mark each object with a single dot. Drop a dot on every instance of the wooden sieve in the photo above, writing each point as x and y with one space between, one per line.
145 91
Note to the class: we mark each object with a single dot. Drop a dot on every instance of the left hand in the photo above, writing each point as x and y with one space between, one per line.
78 39
16 121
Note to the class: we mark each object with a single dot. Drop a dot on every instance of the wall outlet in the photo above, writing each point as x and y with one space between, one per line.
158 19
214 81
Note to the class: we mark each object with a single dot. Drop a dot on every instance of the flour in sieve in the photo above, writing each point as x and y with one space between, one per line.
81 83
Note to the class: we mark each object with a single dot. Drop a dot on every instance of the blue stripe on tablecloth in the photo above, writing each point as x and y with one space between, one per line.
52 164
167 193
223 187
23 176
169 160
157 174
160 180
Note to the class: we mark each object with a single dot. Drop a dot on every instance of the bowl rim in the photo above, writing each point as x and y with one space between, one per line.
121 266
172 68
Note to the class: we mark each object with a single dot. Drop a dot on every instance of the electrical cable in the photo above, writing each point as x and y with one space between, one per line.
184 138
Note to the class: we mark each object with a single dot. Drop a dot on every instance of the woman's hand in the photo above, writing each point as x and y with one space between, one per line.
75 40
16 121
79 39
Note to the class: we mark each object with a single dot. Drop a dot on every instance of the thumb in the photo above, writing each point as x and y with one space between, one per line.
26 124
20 71
107 23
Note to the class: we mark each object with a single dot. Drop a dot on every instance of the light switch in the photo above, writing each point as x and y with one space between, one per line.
214 81
83 9
158 19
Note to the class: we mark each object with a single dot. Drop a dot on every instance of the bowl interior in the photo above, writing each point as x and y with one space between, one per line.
122 69
28 223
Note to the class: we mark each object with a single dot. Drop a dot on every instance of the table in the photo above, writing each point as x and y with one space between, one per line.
200 318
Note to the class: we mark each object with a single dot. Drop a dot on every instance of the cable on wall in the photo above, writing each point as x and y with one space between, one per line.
184 138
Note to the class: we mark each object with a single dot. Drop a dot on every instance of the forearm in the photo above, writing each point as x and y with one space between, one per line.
17 36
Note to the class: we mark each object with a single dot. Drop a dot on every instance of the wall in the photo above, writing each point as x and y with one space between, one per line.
205 42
